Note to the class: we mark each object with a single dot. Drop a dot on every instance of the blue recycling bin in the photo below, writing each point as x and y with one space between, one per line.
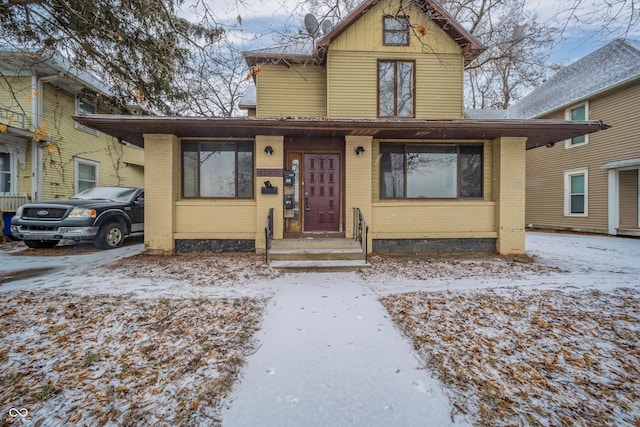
6 223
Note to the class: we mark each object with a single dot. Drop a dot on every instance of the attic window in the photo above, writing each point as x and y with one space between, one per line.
84 108
395 30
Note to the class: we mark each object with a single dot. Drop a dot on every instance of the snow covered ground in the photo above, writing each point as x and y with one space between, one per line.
549 339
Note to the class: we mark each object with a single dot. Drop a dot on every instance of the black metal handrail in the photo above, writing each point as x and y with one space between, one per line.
359 226
268 234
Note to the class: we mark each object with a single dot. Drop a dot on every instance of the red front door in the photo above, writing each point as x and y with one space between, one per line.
321 192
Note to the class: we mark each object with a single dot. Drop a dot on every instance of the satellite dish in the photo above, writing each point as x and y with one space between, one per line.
326 26
311 24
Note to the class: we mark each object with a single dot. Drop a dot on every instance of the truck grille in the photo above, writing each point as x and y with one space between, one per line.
44 213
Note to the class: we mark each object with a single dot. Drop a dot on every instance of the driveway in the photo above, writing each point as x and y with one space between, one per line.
23 268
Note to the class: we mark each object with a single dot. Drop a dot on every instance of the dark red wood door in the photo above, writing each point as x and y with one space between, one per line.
322 192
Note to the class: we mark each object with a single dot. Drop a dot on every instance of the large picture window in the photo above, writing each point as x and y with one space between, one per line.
396 83
431 171
217 169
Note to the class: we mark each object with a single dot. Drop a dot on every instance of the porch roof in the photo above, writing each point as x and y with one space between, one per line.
538 132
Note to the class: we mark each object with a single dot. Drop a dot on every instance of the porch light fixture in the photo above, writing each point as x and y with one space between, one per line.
359 150
268 150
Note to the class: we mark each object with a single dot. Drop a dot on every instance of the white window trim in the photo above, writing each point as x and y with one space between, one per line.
79 161
567 192
13 173
567 116
79 113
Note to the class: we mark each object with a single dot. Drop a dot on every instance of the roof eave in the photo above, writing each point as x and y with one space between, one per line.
538 132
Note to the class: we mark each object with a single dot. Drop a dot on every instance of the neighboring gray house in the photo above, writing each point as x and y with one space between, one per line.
588 183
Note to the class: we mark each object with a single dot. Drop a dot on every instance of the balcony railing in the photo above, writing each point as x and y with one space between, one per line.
12 118
12 203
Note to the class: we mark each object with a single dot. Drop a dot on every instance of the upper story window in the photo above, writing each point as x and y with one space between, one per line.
422 171
86 174
395 30
84 108
577 113
217 169
396 88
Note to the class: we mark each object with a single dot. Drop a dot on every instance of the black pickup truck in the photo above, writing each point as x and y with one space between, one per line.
102 214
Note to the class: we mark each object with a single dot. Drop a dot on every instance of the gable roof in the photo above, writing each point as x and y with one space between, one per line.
301 52
613 65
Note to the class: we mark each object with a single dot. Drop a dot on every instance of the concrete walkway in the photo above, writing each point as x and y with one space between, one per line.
329 355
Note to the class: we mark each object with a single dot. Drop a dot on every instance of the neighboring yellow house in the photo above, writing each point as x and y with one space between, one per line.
44 153
591 182
369 122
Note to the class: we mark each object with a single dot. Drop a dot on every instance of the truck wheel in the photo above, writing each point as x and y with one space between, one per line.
110 235
41 244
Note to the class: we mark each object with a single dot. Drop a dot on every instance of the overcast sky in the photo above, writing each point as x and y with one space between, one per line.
261 19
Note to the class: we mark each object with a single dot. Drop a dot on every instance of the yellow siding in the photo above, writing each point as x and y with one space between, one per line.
352 67
59 165
133 155
358 170
215 219
266 201
353 82
58 168
433 219
546 166
508 193
15 100
25 174
162 187
365 34
296 90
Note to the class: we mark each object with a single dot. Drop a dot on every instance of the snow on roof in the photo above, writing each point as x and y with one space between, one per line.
485 114
249 99
612 65
51 63
298 47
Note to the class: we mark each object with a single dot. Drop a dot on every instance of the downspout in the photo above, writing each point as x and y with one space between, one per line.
36 122
36 154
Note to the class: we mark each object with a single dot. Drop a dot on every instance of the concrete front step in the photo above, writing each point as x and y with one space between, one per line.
317 243
318 249
320 265
315 254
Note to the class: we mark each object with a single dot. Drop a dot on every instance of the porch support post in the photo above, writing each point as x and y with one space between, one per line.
269 167
358 178
509 194
162 187
614 201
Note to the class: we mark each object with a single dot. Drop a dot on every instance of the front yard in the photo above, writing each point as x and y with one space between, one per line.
513 357
161 340
92 360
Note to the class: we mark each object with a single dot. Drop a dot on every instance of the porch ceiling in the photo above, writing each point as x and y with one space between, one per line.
538 132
